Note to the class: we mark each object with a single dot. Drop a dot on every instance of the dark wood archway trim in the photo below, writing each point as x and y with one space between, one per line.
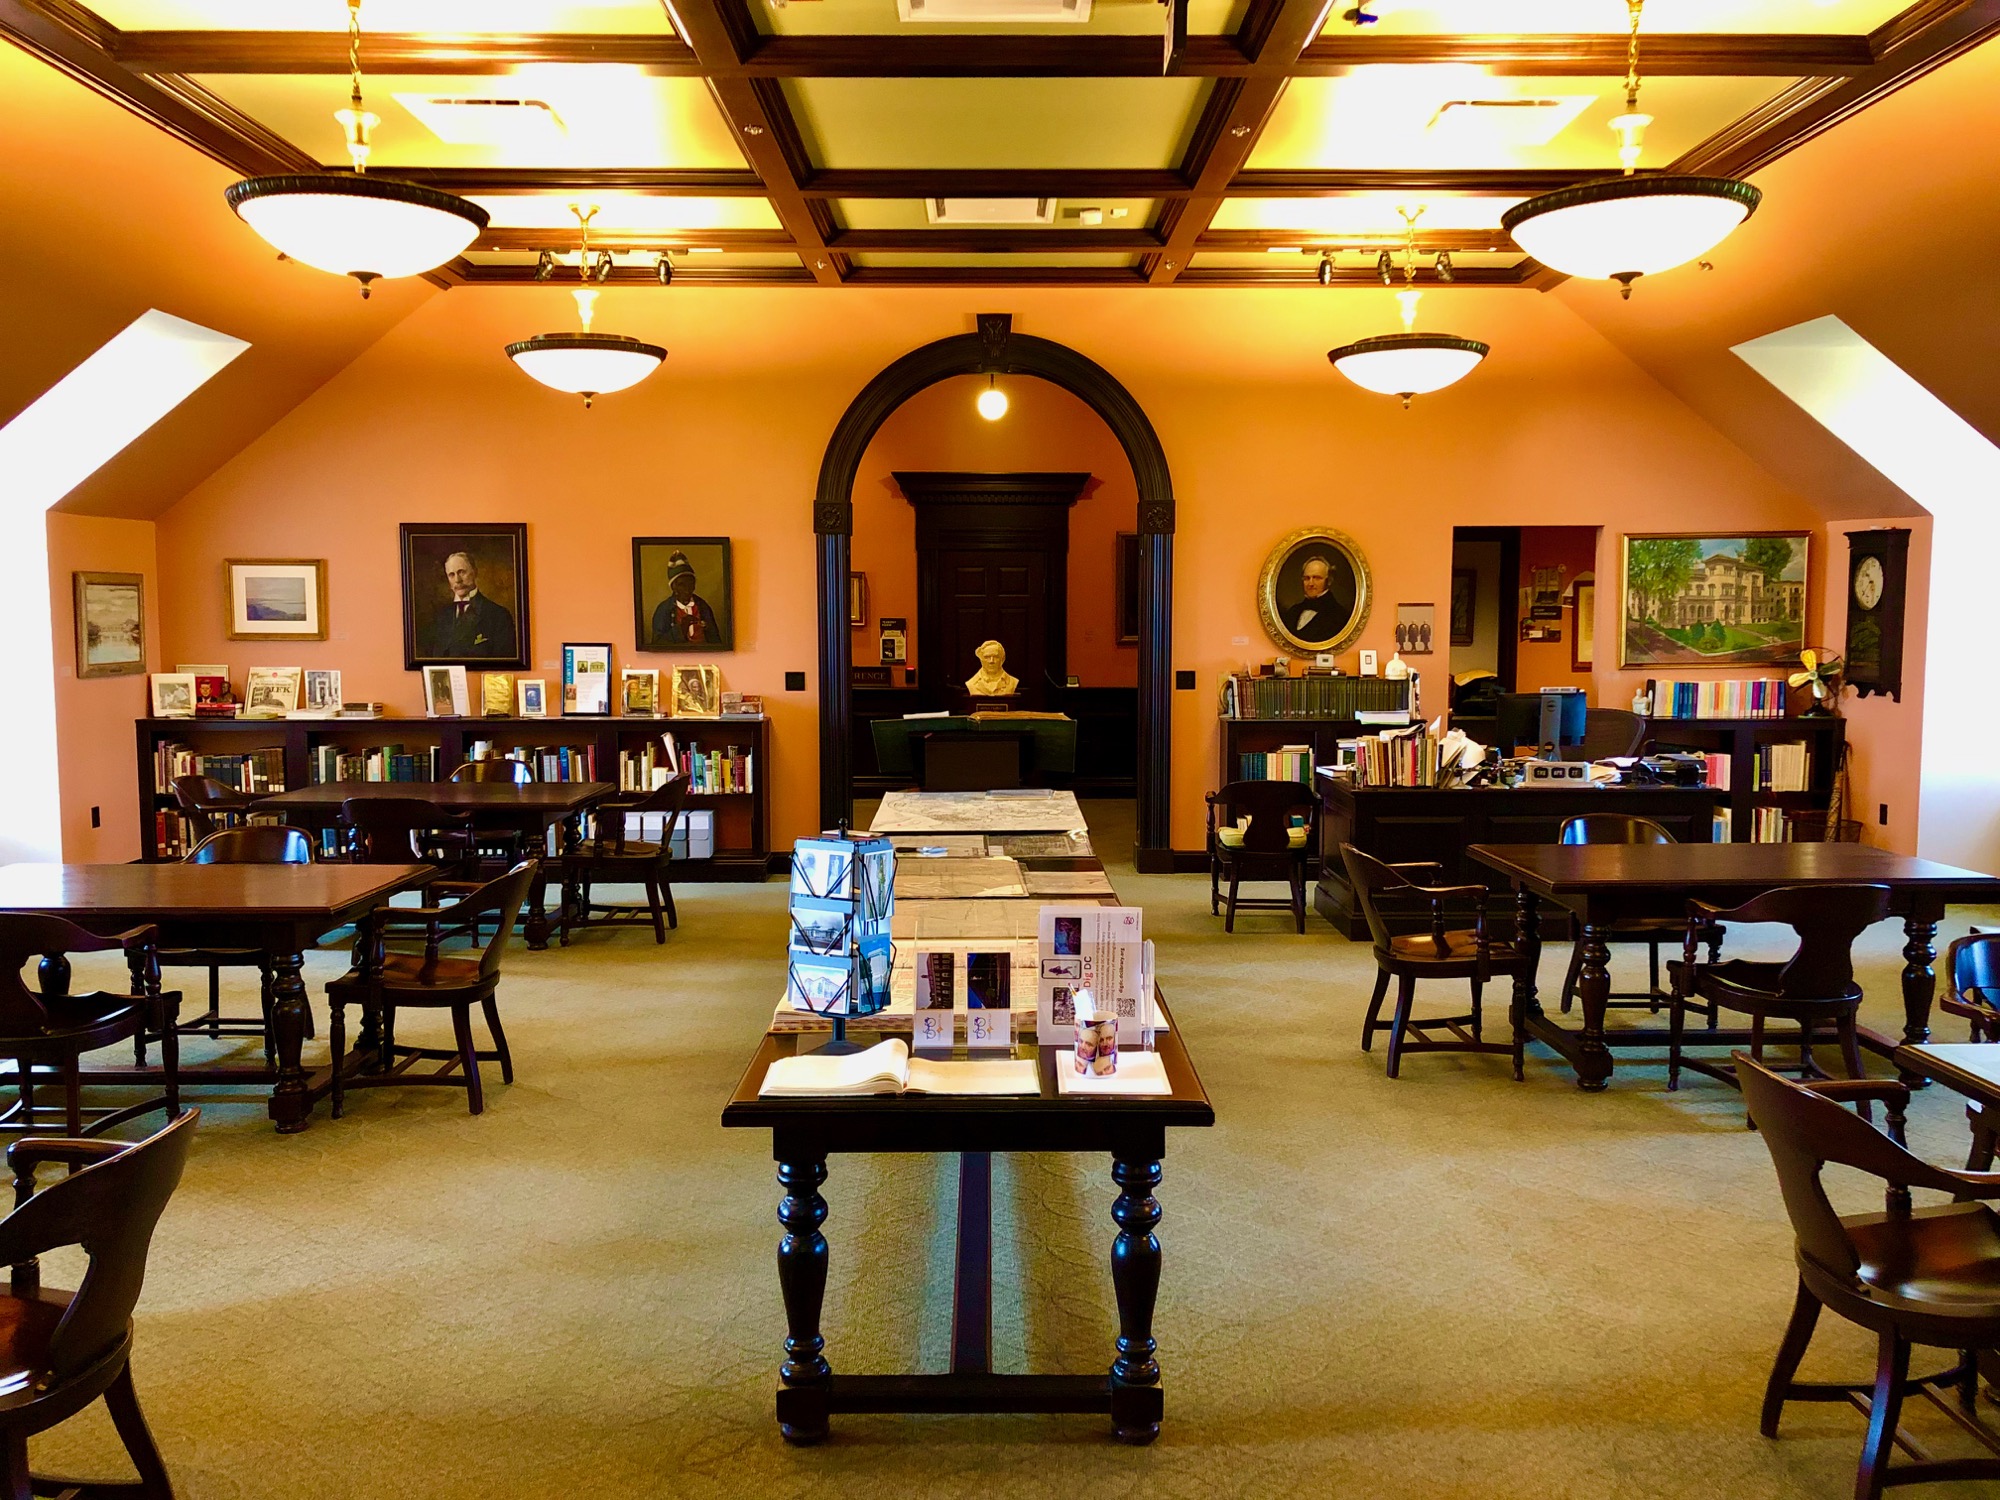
997 348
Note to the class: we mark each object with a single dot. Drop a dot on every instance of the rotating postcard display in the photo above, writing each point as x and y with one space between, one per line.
843 890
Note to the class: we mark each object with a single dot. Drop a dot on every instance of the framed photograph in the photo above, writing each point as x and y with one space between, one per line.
110 625
1128 588
586 679
173 695
857 600
532 693
698 691
1313 592
1370 664
639 691
271 692
465 594
322 690
276 598
447 693
1416 628
1702 601
1583 623
681 594
1464 601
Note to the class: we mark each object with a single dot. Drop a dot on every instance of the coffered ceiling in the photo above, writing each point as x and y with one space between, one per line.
924 141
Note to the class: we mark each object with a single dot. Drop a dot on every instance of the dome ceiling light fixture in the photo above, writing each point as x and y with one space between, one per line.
1409 363
1621 228
349 223
585 364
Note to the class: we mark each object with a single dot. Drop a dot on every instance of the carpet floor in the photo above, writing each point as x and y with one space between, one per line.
1449 1285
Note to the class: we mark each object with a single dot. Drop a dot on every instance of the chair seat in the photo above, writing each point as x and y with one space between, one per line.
27 1325
1746 983
1461 945
1943 1259
409 977
1232 838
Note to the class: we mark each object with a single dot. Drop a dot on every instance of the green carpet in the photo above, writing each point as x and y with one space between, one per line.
1449 1285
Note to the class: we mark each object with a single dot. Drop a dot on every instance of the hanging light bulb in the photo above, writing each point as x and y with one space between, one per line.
992 402
1622 228
1409 363
348 222
587 364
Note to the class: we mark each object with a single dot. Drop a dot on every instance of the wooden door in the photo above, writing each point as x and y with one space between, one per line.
994 595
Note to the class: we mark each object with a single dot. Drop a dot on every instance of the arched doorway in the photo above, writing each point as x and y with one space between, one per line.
997 349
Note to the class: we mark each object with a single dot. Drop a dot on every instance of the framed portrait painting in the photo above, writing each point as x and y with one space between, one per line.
1706 601
465 594
681 597
110 624
1464 605
276 598
1313 592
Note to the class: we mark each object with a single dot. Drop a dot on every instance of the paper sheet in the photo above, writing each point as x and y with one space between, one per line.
957 879
1140 1074
1069 883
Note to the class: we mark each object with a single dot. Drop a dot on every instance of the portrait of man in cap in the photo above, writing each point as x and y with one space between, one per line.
681 588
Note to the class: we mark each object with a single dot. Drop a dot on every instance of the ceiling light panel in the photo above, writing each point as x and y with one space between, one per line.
1496 17
926 260
879 17
986 12
609 116
909 213
443 17
1403 117
996 123
629 212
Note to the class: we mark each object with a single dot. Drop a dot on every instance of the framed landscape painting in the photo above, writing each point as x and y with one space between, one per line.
1702 601
110 624
277 598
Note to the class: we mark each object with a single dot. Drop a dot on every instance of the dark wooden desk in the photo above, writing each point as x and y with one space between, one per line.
1426 823
1606 885
280 909
531 810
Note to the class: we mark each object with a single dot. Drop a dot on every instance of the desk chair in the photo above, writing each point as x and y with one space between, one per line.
1251 836
1469 954
63 1350
1609 732
1814 987
1622 828
1911 1276
210 806
610 856
498 846
1972 990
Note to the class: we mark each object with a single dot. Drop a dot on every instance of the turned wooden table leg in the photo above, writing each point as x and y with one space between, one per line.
805 1374
289 1105
1593 992
1136 1400
536 928
1919 984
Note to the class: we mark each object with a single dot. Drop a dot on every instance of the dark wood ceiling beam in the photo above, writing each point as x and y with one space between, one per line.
685 274
471 54
995 276
998 241
987 57
1720 55
657 182
1429 241
611 237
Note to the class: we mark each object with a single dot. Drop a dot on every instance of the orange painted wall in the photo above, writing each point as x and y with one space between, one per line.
432 423
1045 428
1540 664
94 716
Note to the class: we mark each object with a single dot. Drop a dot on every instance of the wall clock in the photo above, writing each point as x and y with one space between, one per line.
1878 565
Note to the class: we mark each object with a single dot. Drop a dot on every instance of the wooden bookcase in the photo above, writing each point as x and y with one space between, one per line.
1740 740
742 819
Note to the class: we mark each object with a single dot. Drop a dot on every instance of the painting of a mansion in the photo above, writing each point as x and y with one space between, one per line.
1729 591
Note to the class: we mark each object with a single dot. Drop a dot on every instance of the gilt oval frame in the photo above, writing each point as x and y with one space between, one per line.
1267 584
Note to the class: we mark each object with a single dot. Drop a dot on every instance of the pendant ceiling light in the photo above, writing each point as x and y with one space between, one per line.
348 222
1408 364
585 364
992 402
1622 228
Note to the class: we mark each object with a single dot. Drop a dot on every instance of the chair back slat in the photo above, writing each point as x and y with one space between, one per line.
1612 732
110 1208
1612 828
495 768
390 830
1370 879
1269 806
253 844
1827 919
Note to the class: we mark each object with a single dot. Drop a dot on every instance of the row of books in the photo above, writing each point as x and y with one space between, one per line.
1784 767
1768 825
330 763
260 770
555 762
1406 759
1286 763
1732 698
1247 697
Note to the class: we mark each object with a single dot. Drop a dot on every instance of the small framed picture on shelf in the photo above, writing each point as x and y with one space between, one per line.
586 679
276 598
681 594
322 690
173 695
271 692
857 600
496 694
531 695
447 693
1371 664
110 624
639 692
698 691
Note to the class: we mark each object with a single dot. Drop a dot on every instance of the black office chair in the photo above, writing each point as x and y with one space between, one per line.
1612 732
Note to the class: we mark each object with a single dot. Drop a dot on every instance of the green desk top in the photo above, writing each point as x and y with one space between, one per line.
1054 746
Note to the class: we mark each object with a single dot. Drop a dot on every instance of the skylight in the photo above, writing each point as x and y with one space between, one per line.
81 422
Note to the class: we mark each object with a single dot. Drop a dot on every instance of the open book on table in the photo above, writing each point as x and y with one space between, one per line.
888 1068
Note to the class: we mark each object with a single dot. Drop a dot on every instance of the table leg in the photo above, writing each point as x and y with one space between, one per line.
572 893
1593 993
536 929
144 966
1136 1401
1919 982
289 1105
1528 939
806 1376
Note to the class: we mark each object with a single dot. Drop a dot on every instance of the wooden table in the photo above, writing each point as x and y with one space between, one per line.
976 812
1607 885
531 810
280 909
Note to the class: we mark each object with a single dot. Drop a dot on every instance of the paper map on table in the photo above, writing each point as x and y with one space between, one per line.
1068 883
976 812
957 879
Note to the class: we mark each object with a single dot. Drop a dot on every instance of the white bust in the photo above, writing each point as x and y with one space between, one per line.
992 679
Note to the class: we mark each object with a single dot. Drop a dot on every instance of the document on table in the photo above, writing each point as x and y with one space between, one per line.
1069 883
958 879
1139 1074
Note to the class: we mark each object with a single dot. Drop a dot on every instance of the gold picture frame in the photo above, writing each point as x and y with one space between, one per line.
110 624
697 691
1288 614
275 598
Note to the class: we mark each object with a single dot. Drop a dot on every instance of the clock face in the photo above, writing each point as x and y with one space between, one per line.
1868 582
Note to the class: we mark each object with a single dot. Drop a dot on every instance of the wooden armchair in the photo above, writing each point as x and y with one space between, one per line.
1386 892
1813 988
1251 836
399 830
50 1029
210 806
608 855
383 982
499 847
63 1350
1912 1276
1972 991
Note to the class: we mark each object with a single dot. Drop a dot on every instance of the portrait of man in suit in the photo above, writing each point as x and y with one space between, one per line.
1323 608
1313 591
465 596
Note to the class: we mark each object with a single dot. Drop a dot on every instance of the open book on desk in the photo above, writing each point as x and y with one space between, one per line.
888 1068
